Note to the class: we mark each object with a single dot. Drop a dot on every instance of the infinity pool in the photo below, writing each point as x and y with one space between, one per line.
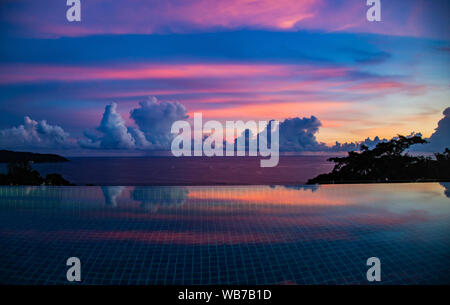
226 235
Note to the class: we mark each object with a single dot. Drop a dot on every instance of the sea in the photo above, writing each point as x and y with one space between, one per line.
165 170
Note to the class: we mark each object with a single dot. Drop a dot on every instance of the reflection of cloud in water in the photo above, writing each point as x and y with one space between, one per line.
111 193
153 198
312 187
31 196
446 185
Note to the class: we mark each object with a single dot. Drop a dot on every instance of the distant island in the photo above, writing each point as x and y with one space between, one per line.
20 172
8 156
387 163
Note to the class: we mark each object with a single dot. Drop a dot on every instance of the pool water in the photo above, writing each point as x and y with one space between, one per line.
226 234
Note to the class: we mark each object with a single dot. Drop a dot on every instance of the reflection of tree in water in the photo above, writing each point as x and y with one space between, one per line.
48 197
111 193
446 185
153 198
30 197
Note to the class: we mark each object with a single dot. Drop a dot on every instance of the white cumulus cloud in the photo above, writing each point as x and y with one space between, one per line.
153 119
35 134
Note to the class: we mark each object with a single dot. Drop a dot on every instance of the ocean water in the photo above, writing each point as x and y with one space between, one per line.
187 170
226 234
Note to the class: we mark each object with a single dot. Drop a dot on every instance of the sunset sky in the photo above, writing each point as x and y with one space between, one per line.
230 60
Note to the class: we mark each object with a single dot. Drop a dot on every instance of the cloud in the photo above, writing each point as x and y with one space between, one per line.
371 143
155 118
114 134
43 18
35 135
357 145
295 135
298 134
139 137
440 139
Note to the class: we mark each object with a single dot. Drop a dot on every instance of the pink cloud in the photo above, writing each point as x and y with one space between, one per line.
46 19
14 73
388 86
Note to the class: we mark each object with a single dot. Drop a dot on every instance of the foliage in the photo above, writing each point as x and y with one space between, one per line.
387 162
21 173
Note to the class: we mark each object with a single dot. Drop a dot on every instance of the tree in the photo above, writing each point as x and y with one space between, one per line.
21 173
387 162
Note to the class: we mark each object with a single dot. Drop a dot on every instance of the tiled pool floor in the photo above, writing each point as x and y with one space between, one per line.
226 235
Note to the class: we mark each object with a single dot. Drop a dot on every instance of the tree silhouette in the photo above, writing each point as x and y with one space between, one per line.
387 162
21 173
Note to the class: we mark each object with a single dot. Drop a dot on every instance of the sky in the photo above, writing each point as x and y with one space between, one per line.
120 77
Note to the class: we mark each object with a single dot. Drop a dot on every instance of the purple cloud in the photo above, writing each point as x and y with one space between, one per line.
155 118
114 133
36 135
440 139
357 145
47 18
300 134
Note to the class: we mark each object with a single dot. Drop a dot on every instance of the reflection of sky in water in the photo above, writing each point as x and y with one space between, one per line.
226 234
